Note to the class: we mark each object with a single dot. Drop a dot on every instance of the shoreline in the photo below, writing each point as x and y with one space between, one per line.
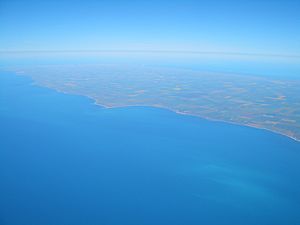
95 102
197 116
181 113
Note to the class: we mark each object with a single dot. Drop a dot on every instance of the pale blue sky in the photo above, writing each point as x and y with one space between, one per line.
265 26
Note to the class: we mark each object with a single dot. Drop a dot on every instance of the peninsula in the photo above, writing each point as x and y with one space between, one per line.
265 103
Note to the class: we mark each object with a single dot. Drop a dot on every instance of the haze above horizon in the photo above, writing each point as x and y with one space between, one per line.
260 27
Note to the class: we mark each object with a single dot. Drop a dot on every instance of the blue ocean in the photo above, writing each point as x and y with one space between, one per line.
66 161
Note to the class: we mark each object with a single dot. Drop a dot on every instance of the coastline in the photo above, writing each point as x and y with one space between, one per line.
197 116
96 102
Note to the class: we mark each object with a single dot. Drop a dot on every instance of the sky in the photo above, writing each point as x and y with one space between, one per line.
265 26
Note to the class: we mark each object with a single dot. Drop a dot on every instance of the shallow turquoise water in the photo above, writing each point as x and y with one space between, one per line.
64 160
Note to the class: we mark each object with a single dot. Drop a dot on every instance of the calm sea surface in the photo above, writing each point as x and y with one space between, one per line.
66 161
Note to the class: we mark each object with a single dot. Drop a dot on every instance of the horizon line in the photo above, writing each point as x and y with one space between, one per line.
277 55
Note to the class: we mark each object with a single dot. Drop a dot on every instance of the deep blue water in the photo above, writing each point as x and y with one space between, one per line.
64 160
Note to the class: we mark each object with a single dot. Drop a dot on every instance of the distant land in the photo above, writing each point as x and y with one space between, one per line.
265 103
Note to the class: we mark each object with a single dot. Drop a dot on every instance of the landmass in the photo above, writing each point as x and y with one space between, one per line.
261 102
